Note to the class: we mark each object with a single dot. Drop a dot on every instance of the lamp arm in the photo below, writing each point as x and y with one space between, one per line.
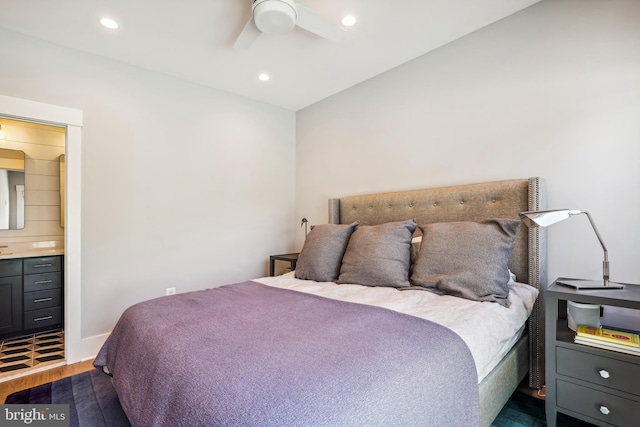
605 263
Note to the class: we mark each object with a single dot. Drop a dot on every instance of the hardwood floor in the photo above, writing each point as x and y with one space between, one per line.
43 377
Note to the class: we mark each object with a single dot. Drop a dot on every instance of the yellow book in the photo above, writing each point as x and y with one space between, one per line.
609 335
607 345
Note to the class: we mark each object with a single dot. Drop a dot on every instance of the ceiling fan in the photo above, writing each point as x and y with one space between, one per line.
280 17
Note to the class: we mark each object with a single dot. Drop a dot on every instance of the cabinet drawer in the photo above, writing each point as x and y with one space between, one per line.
40 282
621 412
43 264
622 376
42 299
10 267
43 318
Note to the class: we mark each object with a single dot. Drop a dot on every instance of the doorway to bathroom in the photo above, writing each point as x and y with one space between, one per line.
69 121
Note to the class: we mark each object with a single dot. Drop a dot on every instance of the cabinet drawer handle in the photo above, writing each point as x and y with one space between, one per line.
604 374
40 319
43 299
604 410
42 265
42 282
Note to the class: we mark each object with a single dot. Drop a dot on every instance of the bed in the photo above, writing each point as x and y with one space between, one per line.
292 350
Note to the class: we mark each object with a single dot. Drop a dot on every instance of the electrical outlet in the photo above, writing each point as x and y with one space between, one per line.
171 291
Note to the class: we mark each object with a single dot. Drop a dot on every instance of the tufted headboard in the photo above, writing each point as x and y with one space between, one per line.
471 202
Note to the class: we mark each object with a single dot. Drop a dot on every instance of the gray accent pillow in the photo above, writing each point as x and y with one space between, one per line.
379 255
466 259
322 252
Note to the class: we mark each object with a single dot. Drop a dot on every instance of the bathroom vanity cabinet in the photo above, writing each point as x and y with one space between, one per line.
31 295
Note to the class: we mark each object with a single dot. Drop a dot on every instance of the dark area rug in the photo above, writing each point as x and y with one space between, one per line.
90 395
526 411
93 402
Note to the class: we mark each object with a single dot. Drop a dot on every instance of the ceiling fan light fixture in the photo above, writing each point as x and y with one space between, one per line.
282 16
275 16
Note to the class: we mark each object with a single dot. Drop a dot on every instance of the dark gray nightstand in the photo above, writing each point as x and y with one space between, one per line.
292 259
595 385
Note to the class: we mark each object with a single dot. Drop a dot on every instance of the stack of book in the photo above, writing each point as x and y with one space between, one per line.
609 339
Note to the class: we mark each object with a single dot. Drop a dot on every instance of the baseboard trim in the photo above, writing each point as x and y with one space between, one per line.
89 347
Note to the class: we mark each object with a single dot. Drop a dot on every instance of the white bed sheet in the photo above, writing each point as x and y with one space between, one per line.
488 329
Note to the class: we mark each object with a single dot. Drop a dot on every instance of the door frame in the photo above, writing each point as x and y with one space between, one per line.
71 119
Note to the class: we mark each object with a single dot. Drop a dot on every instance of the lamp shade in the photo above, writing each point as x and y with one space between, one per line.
546 218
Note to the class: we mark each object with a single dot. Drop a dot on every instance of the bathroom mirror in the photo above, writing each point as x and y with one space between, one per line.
62 175
11 189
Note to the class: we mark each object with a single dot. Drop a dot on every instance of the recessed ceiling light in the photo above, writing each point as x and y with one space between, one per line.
264 77
109 23
349 20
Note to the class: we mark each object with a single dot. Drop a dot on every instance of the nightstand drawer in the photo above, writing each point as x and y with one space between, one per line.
42 299
42 318
601 406
600 370
40 282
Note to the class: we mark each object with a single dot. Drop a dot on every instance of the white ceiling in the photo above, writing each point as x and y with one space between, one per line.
193 39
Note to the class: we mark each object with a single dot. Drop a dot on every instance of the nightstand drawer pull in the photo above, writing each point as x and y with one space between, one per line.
42 282
604 374
604 410
43 299
40 319
42 265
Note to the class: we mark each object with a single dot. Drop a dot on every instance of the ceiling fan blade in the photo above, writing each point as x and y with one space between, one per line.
318 24
247 36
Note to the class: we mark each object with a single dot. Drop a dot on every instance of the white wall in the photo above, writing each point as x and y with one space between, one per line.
553 91
182 185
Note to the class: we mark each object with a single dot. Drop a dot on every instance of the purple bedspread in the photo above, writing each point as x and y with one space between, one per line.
253 355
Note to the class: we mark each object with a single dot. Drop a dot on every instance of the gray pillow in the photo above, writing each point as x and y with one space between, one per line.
322 252
379 255
466 259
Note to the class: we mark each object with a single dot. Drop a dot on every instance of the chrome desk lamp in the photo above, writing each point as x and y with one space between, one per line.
546 218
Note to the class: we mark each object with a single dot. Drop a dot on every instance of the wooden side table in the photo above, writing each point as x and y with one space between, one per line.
292 259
